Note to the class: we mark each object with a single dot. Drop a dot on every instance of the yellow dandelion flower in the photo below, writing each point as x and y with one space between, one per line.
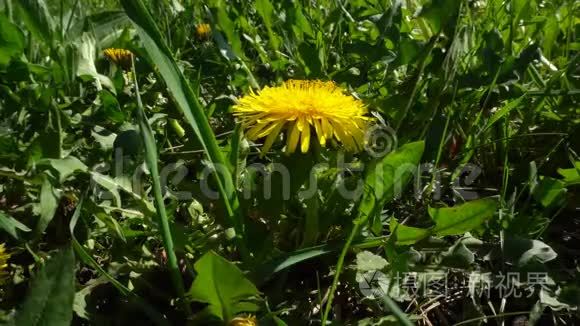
244 321
4 256
120 57
202 31
305 110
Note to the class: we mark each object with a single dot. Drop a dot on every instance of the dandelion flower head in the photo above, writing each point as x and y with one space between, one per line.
120 57
4 256
244 321
306 110
202 31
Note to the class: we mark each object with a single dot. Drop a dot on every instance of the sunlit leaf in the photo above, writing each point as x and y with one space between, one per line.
462 218
550 192
223 286
407 235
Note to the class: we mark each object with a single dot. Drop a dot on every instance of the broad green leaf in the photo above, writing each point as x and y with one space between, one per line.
311 59
11 41
278 321
11 225
407 235
462 218
66 166
299 23
50 299
113 186
367 261
386 178
223 286
49 199
550 192
111 223
376 285
572 175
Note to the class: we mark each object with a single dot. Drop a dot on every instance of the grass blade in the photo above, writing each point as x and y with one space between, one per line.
151 159
190 106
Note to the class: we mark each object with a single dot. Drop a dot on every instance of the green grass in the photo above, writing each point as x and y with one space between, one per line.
105 171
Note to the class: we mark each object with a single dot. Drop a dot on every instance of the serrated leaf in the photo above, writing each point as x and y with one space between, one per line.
50 299
462 218
223 286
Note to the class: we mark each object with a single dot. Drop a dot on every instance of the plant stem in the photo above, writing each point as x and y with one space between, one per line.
312 220
339 266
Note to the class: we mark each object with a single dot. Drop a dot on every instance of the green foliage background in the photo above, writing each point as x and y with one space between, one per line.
491 85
